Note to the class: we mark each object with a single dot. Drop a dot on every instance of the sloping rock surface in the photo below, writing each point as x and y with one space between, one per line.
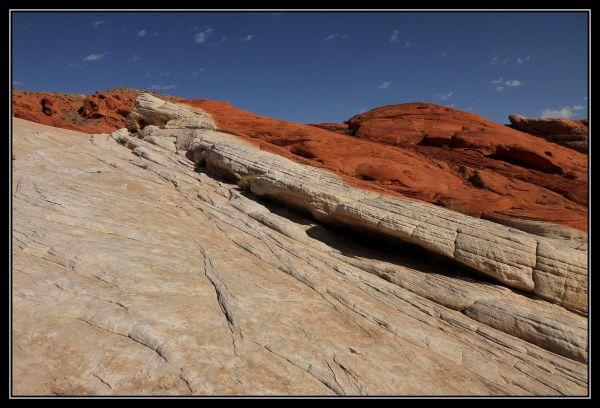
136 270
566 132
440 155
432 153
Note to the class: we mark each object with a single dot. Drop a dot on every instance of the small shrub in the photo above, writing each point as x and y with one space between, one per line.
253 135
245 182
350 132
445 147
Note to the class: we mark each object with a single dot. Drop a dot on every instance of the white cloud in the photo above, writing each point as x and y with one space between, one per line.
384 85
395 37
494 60
499 88
202 36
497 81
142 33
94 57
333 36
505 60
249 37
521 61
444 96
514 82
96 24
135 58
197 73
73 65
223 39
162 87
564 112
407 44
17 83
443 55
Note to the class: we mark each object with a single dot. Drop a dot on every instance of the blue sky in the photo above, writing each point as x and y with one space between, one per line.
319 66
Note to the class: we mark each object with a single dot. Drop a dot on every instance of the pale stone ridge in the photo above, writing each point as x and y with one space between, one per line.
135 272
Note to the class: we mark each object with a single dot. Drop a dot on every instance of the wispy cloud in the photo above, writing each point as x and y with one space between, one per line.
514 82
443 55
135 58
73 65
494 60
97 24
202 36
506 60
521 61
395 37
17 83
142 33
500 84
564 112
196 74
443 96
384 85
333 36
223 39
407 44
94 57
162 87
249 37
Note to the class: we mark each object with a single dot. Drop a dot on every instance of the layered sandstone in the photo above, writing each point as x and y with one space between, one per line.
566 132
431 153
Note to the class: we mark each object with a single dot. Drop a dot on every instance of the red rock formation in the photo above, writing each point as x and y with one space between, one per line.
334 127
427 152
432 153
97 113
566 132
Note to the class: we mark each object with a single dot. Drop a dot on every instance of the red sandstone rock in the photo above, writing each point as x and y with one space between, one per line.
466 163
97 113
427 152
566 132
333 127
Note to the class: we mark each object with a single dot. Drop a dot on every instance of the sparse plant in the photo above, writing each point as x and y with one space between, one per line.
445 147
245 181
253 135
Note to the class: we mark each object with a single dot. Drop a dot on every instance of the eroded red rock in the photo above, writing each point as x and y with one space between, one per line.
428 152
422 151
566 132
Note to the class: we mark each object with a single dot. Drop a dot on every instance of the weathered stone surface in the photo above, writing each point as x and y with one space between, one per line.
508 255
431 153
135 272
566 132
150 110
